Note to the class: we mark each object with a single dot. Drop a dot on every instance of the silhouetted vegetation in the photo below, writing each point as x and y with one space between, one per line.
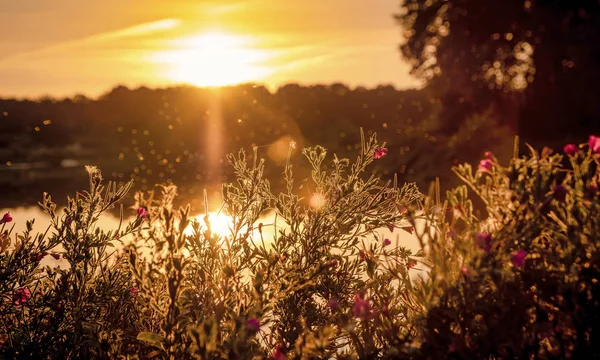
171 135
534 63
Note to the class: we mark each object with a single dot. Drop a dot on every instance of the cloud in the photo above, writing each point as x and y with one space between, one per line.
129 32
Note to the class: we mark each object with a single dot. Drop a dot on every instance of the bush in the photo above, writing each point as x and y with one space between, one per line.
520 281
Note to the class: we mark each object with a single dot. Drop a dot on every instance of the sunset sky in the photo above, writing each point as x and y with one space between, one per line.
64 47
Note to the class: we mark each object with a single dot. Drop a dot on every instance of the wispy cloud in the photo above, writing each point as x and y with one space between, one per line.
139 30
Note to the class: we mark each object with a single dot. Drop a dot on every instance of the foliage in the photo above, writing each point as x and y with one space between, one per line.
519 281
522 57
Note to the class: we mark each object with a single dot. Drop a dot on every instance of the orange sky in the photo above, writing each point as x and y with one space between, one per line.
63 47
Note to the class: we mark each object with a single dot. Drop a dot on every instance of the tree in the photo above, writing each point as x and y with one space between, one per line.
540 58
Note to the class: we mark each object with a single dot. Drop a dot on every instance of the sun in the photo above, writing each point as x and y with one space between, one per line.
220 224
214 59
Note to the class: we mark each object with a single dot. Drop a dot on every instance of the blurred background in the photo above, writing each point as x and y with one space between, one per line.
160 91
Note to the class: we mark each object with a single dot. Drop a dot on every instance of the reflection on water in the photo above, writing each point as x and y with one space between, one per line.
220 224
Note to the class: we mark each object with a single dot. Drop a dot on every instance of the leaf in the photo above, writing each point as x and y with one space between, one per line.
151 338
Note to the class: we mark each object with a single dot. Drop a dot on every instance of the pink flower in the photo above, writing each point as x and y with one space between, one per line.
386 242
253 324
380 152
518 258
490 156
279 353
464 270
570 149
37 257
484 241
594 143
361 308
560 192
408 229
332 263
21 296
485 166
6 218
333 303
142 213
133 292
362 255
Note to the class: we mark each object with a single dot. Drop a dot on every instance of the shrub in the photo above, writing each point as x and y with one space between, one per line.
520 280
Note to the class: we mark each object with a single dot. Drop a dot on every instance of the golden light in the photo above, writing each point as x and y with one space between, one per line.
214 59
219 224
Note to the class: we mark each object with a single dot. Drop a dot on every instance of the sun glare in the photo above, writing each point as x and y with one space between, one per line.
214 59
219 223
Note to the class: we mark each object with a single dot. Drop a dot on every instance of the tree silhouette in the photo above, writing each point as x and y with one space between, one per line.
533 61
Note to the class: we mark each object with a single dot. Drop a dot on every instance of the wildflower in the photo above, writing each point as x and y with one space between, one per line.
560 192
333 303
594 143
570 149
279 353
361 308
464 270
484 241
380 152
593 188
490 156
485 166
142 213
362 255
518 258
386 242
37 257
408 229
21 296
6 218
56 256
391 228
133 292
253 324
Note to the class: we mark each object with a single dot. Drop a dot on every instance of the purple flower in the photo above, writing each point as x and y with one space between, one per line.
570 149
142 213
386 242
380 152
279 353
333 303
37 257
21 296
361 308
391 227
133 292
485 166
56 256
593 188
484 241
594 143
253 324
6 218
518 258
560 192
